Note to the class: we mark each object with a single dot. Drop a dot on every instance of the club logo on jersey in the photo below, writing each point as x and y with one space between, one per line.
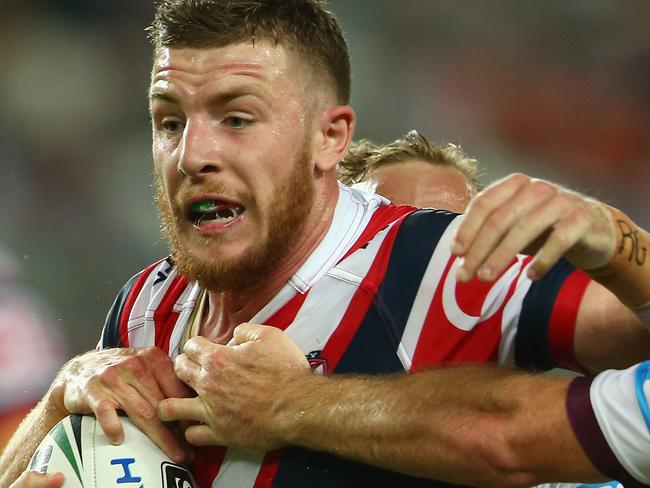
467 304
175 476
317 363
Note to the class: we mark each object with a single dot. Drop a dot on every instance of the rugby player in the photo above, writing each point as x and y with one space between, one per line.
412 171
250 116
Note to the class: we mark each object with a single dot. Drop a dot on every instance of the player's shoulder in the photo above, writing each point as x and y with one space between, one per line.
142 284
393 213
426 224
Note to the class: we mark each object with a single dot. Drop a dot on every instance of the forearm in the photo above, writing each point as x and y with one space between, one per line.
32 430
475 425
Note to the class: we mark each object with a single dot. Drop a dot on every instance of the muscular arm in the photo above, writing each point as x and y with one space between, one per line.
482 426
472 425
613 329
102 382
29 434
521 214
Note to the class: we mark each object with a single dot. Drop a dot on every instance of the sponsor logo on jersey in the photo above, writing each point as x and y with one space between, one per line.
175 476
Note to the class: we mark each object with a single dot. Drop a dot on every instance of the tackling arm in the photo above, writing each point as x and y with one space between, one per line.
522 214
471 425
613 324
479 425
485 426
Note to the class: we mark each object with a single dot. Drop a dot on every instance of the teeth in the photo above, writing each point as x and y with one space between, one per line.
226 213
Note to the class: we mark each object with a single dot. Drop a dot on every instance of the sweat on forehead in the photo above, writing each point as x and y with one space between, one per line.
305 27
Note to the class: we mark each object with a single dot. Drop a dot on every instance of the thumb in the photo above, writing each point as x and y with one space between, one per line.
33 479
248 332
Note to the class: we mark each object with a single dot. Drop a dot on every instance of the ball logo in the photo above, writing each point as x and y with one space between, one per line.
126 477
175 476
41 459
487 298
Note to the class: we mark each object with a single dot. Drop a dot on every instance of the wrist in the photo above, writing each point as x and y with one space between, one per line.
296 407
627 273
54 399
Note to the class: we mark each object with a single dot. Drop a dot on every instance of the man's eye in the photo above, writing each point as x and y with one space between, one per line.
172 126
236 122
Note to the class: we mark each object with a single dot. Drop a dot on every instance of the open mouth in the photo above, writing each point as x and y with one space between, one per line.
213 212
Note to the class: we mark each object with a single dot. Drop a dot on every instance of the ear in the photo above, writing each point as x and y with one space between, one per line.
336 131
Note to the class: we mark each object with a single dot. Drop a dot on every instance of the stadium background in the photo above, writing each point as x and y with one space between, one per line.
558 89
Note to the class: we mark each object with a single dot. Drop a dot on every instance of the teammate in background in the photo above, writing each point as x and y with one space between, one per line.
31 350
412 171
250 118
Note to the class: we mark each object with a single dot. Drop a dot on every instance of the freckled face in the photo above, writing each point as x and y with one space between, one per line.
422 184
233 161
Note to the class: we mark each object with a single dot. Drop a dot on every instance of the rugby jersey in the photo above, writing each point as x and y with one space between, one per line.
378 295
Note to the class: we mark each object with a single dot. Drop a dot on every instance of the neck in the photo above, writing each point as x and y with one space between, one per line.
229 309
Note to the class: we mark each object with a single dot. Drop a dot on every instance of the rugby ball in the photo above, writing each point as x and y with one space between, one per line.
78 448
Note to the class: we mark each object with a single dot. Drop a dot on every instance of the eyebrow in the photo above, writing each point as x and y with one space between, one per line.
164 97
221 98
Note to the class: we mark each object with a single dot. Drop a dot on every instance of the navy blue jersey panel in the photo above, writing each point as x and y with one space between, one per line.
374 347
531 343
301 468
111 331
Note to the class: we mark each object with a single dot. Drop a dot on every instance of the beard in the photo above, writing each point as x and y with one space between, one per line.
287 213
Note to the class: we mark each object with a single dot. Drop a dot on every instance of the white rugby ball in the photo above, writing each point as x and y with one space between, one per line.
78 448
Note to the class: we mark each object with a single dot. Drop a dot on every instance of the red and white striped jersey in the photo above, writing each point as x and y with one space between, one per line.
378 295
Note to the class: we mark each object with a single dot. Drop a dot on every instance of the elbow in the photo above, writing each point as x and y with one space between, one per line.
503 457
509 469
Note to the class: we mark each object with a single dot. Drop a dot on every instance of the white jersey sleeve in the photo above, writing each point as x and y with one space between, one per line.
610 415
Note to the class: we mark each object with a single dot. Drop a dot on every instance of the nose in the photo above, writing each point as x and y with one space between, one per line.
199 150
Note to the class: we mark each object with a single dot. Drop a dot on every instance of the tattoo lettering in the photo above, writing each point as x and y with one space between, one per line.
631 235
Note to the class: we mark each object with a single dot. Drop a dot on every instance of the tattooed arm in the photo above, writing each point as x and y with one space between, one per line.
522 214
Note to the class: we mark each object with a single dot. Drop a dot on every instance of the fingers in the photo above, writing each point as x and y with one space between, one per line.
128 380
520 214
564 236
187 370
272 339
481 207
181 409
145 416
33 479
106 412
198 349
248 332
553 221
507 230
202 435
163 371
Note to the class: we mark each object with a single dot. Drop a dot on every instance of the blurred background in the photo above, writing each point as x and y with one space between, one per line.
557 89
